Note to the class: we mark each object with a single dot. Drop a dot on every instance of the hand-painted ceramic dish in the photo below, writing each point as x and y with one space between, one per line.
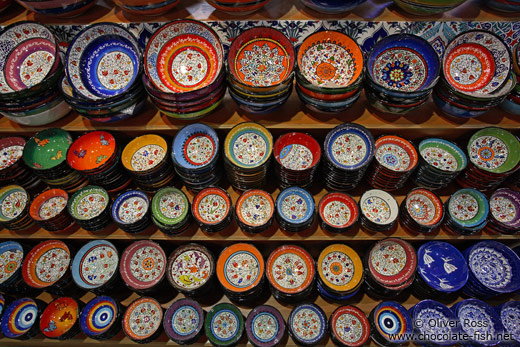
340 269
90 208
254 210
396 153
95 266
100 317
297 151
265 326
349 147
422 210
195 147
20 319
14 208
49 210
504 208
295 209
11 258
224 325
183 321
337 212
212 209
307 324
91 151
131 211
144 153
191 269
248 145
468 207
427 311
392 262
509 313
378 209
171 210
349 327
183 56
143 265
60 319
390 322
491 150
142 321
47 149
471 310
46 264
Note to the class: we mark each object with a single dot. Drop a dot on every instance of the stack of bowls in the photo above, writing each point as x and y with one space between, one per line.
493 269
346 319
421 211
147 7
103 68
476 74
60 9
195 154
247 154
379 211
337 212
395 161
260 69
490 152
146 159
184 69
427 7
131 211
254 211
14 208
97 156
390 324
212 209
349 148
171 211
512 6
12 167
307 325
512 102
238 7
330 71
466 212
504 208
30 75
45 154
90 208
440 163
49 210
295 209
401 73
332 6
297 158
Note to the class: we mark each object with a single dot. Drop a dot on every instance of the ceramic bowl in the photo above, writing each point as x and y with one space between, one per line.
53 327
337 212
20 319
427 7
504 6
142 321
49 209
91 151
47 149
492 326
130 207
438 335
185 313
257 153
402 324
332 6
224 316
147 7
238 7
100 317
61 9
90 207
144 153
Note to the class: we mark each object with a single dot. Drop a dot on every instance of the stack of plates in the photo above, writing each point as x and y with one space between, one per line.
509 314
512 102
349 148
147 160
13 169
504 206
171 211
490 152
131 211
30 74
427 7
290 271
184 322
440 163
332 6
421 211
142 321
337 212
379 211
224 325
14 208
476 74
295 209
100 319
466 212
238 7
49 210
349 327
329 75
401 72
491 331
247 154
184 69
494 269
103 69
45 154
254 211
340 273
146 7
90 208
395 161
437 334
511 6
389 267
54 328
20 319
196 152
212 209
297 158
265 326
11 279
63 9
390 324
307 325
240 271
260 70
97 156
441 270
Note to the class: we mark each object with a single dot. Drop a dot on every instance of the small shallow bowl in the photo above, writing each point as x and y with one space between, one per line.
259 149
337 211
49 205
488 149
297 152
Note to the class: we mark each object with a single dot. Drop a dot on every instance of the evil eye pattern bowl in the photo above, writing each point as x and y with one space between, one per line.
20 318
99 317
95 264
428 311
103 61
183 56
388 320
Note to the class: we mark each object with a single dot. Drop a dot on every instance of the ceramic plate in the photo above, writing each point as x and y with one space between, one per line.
379 207
248 145
240 268
350 326
183 320
391 319
255 207
265 326
99 315
340 268
170 206
95 264
142 264
295 205
392 261
190 267
46 264
468 207
290 269
224 324
491 149
308 323
142 318
504 205
432 311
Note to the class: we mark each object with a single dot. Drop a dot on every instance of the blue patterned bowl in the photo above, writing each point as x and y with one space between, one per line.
435 319
391 323
181 147
332 6
509 314
303 204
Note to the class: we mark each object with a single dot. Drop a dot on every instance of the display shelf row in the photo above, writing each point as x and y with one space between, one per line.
377 10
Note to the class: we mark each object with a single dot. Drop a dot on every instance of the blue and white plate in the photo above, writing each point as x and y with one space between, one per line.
509 314
437 320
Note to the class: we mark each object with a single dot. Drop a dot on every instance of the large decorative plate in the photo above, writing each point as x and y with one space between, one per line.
265 326
255 207
11 258
142 265
425 313
468 207
350 326
19 317
443 155
290 269
240 268
99 315
142 318
13 201
103 60
183 320
46 264
183 56
47 149
190 267
379 207
211 205
295 205
59 317
425 207
248 145
340 268
494 150
349 146
442 266
510 316
91 151
392 321
95 264
195 146
472 310
392 261
307 323
338 210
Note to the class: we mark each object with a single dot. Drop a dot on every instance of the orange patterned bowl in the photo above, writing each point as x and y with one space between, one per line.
91 151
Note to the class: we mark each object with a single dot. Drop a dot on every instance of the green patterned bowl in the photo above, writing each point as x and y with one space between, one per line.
47 149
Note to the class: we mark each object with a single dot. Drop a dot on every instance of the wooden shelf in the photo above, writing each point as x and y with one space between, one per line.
375 10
